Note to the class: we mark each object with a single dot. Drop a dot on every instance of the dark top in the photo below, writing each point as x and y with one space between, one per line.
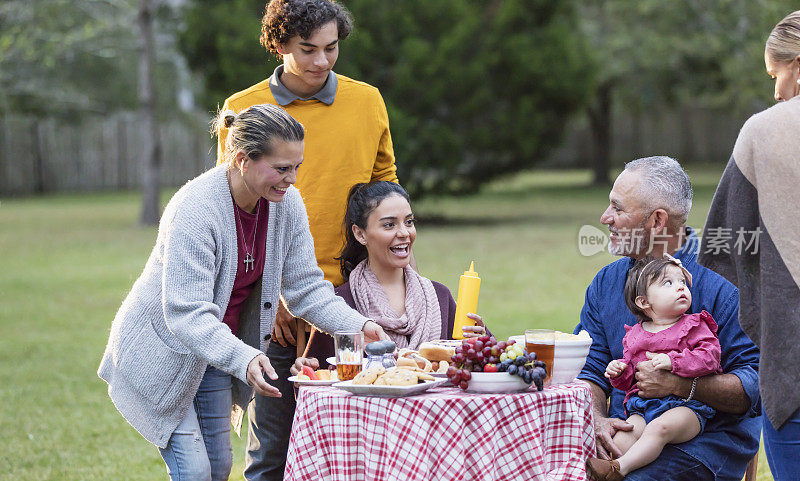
248 241
728 441
321 344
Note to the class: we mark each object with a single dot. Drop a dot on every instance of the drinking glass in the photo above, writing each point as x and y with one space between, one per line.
349 353
543 343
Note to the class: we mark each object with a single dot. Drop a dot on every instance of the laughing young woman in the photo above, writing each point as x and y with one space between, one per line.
380 283
188 339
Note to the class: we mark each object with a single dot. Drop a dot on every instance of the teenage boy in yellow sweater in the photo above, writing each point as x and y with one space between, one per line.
347 141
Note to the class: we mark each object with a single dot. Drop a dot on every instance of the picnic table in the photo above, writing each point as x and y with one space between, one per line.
443 434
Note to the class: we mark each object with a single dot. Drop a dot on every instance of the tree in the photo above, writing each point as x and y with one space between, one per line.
474 89
220 43
68 58
53 53
147 109
649 54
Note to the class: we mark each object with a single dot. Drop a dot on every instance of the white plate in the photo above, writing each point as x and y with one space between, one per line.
387 391
332 361
301 382
496 382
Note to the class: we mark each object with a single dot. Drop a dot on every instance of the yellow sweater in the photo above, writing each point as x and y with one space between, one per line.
346 142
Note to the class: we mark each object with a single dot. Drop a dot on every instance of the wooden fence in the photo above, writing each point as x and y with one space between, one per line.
51 155
689 135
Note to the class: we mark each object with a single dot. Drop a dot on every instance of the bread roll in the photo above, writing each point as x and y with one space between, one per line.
406 362
438 350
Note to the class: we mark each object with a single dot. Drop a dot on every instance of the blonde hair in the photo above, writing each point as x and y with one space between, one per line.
253 130
783 43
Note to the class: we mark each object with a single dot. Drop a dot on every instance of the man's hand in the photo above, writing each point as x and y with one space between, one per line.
373 332
255 376
478 330
604 427
653 383
303 361
660 361
615 368
604 430
285 330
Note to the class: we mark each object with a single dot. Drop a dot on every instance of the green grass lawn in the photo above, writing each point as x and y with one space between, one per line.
68 261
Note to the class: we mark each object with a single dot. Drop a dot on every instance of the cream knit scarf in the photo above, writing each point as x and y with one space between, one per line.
422 320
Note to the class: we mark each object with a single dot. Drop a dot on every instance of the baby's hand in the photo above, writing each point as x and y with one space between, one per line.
660 361
615 368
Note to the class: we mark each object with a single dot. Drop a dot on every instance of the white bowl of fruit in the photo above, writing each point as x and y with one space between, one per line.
490 366
570 355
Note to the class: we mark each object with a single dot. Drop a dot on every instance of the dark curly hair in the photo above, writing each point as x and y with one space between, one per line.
284 19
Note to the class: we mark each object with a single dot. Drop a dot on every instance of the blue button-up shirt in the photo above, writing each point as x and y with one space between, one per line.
728 441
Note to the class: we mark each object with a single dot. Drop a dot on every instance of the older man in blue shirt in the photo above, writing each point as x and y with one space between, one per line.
647 212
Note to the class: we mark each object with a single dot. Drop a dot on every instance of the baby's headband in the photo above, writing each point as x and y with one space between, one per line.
678 263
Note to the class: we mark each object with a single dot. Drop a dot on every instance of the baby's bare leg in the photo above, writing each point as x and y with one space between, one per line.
677 425
625 439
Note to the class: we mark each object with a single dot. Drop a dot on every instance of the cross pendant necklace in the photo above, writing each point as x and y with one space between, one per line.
249 261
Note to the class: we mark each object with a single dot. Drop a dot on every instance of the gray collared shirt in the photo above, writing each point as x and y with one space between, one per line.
284 96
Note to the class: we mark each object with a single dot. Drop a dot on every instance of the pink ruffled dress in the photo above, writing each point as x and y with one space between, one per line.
692 345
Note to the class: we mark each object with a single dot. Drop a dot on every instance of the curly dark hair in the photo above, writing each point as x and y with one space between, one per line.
283 19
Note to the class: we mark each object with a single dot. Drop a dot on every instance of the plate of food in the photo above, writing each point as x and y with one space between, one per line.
394 382
310 377
313 382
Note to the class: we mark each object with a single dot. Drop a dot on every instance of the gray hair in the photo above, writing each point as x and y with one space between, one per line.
665 185
783 43
253 130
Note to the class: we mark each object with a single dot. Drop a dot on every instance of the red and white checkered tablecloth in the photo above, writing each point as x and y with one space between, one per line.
444 434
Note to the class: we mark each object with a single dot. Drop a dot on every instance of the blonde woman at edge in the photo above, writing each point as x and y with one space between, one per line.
756 199
188 341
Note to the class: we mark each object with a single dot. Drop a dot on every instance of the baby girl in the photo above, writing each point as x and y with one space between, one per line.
657 292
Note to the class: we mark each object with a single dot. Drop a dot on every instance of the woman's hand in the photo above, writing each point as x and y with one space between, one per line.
303 361
478 330
255 376
373 332
615 368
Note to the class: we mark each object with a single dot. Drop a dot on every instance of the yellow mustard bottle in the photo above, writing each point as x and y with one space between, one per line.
467 301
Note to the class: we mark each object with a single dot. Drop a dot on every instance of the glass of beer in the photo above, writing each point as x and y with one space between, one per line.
543 343
349 353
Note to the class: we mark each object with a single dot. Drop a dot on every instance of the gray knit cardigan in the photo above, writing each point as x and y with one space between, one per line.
169 327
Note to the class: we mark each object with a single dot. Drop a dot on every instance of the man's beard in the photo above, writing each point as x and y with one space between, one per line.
631 243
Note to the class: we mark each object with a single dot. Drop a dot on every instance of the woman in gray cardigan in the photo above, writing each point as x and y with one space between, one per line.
188 341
